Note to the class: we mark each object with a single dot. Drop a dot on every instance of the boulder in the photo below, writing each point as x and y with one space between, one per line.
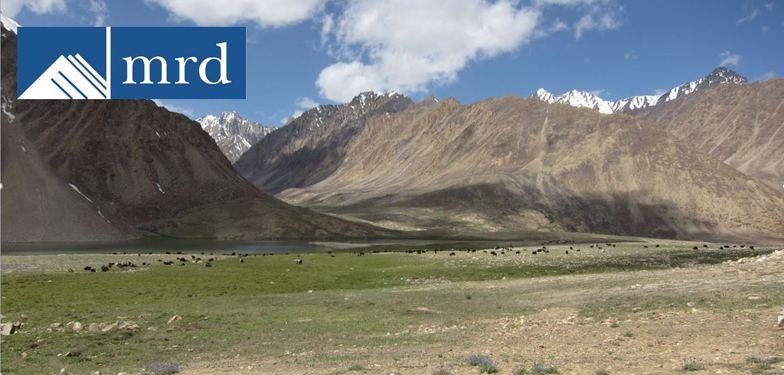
107 328
8 329
76 327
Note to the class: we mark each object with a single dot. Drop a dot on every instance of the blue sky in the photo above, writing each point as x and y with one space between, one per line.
303 52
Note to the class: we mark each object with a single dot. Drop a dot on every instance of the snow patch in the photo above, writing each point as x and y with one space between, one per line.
80 192
9 23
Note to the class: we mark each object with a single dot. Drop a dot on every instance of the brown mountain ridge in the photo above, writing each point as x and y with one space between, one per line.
741 125
511 164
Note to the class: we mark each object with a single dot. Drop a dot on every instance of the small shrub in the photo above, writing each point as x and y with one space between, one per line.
162 368
468 296
542 369
629 334
762 363
692 365
520 370
602 371
488 368
441 371
356 367
615 325
478 360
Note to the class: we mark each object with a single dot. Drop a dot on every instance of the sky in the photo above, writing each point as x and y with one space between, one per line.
302 53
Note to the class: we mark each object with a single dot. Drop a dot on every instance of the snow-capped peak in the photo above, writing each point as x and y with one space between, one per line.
576 98
233 133
585 99
9 23
368 97
718 76
545 95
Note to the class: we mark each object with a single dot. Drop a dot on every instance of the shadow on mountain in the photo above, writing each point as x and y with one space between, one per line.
497 208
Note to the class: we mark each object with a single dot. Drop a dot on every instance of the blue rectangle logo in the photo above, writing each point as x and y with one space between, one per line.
131 63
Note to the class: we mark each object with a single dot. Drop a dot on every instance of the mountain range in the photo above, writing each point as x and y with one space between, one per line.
233 133
521 164
584 99
700 161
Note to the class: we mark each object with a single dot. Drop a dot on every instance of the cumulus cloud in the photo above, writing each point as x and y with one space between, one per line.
749 17
728 58
406 45
265 13
174 108
11 8
302 105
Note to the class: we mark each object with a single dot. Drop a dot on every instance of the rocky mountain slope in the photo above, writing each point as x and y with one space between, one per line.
583 99
508 164
740 125
233 133
132 164
314 144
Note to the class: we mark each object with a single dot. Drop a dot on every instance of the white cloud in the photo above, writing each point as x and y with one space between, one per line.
306 103
556 26
265 13
327 23
728 58
99 9
599 92
769 6
599 20
174 108
631 55
302 104
765 29
600 15
659 92
11 8
749 17
407 45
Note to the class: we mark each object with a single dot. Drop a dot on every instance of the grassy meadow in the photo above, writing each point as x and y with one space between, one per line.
384 311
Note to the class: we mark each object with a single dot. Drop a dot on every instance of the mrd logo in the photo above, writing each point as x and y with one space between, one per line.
131 63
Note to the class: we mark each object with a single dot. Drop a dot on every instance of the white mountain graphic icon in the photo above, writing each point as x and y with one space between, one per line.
68 78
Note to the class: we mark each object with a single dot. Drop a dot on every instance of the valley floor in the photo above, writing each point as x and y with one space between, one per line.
628 309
